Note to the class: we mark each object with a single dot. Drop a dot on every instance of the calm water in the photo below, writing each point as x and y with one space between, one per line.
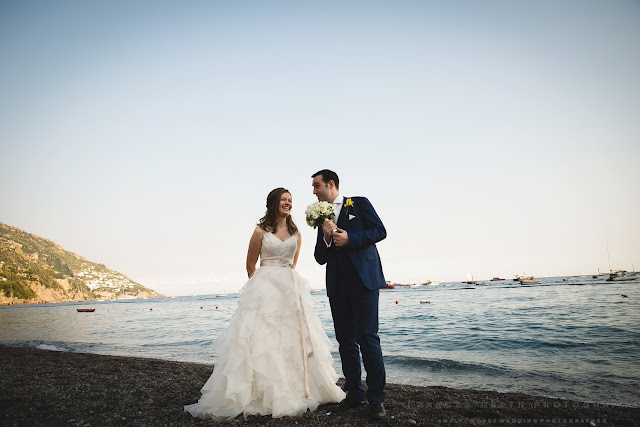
578 339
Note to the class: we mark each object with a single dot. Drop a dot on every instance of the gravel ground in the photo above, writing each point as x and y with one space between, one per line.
50 388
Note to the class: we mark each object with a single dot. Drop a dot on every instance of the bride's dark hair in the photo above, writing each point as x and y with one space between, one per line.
269 221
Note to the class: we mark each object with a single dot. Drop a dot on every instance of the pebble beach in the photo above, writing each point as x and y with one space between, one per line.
49 388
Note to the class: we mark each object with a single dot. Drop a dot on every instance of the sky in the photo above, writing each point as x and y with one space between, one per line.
492 137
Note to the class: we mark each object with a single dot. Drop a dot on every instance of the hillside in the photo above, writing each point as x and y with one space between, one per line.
36 270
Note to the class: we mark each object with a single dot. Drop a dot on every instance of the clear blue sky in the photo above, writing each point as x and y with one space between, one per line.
493 137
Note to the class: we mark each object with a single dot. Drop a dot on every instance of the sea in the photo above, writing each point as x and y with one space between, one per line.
568 337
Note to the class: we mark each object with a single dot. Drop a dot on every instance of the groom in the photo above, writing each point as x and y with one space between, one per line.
354 276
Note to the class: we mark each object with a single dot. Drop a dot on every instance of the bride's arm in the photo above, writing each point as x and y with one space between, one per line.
295 258
254 250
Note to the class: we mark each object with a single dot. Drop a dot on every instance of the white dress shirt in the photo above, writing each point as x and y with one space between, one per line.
337 207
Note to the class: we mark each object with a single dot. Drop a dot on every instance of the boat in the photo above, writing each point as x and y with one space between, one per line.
623 276
530 282
521 278
495 279
481 283
415 285
389 286
86 310
316 291
597 276
469 280
620 275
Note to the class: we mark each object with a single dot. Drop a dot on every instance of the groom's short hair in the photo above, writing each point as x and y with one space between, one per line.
328 175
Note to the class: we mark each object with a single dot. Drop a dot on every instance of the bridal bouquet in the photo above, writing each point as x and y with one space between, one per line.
317 212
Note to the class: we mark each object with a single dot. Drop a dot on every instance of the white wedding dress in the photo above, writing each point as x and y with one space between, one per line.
273 358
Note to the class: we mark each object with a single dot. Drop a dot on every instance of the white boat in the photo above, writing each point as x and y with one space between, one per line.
623 276
530 282
415 285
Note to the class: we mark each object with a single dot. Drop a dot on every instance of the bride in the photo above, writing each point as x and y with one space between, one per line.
273 358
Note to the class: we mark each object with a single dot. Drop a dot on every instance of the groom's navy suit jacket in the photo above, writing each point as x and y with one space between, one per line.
365 229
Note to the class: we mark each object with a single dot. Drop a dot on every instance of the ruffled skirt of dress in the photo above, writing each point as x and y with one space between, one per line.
273 358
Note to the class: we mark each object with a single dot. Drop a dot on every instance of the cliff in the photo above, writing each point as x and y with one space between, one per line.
34 270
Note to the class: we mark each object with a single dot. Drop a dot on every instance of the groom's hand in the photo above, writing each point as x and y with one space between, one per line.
327 229
341 238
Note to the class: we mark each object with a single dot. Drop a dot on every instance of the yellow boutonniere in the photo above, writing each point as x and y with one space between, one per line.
348 205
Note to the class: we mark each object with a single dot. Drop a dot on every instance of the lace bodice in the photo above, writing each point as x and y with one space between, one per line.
275 252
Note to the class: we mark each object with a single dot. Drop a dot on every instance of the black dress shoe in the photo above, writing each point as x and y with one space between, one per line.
377 410
345 405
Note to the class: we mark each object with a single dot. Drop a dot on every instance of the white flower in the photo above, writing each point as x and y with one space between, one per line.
318 212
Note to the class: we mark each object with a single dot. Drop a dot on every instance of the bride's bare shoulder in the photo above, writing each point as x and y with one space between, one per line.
258 233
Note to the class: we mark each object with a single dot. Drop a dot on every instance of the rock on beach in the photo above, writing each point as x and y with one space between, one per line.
50 388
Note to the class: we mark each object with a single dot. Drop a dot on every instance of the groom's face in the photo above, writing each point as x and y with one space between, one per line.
321 190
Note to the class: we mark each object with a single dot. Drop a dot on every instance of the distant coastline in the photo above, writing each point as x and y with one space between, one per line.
34 270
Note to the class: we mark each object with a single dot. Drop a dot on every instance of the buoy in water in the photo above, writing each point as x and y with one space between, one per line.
216 307
396 302
200 308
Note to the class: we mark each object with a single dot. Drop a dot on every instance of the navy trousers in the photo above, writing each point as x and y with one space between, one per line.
355 318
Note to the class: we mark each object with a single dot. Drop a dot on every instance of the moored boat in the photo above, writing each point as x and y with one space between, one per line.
469 280
530 282
623 276
86 310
